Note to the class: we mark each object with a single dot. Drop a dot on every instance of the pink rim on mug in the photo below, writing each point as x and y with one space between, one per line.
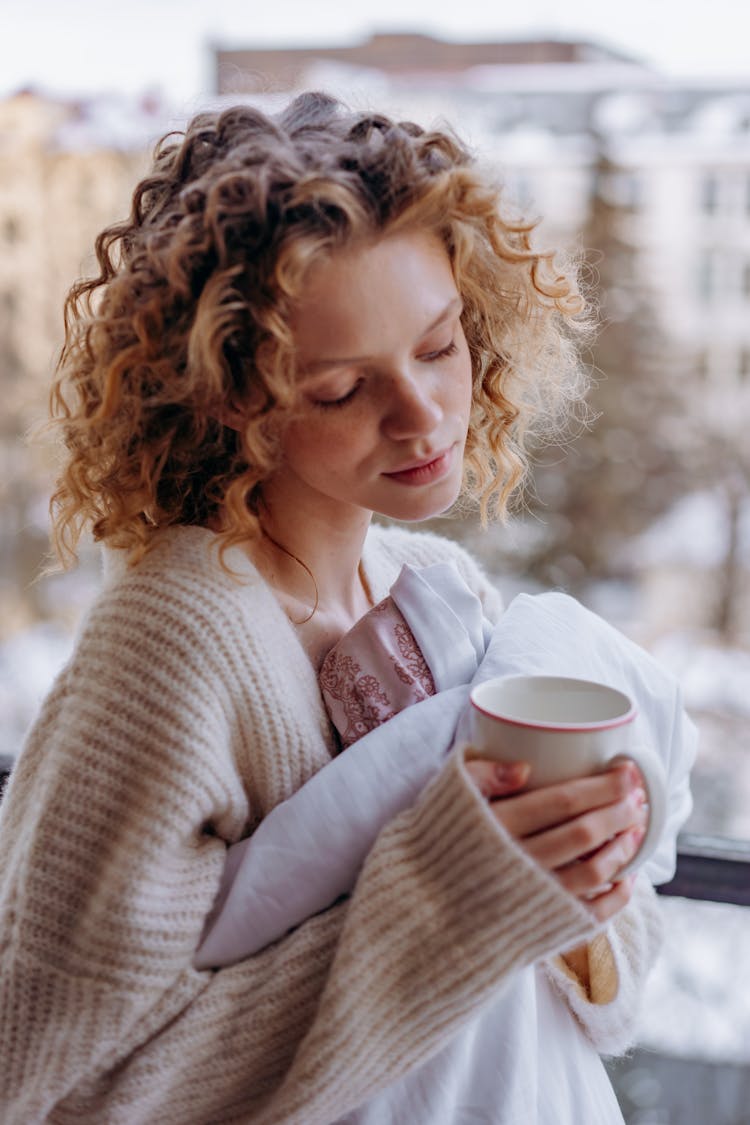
558 725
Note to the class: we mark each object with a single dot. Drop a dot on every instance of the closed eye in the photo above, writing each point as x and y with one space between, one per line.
428 357
442 353
326 403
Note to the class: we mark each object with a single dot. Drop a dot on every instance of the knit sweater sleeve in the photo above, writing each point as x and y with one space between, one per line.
113 834
620 958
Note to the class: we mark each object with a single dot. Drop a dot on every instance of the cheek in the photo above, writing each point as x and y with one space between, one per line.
320 440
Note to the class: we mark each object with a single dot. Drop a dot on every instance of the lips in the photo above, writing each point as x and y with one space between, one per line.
419 464
421 472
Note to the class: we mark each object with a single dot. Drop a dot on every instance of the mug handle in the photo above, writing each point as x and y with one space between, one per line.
655 779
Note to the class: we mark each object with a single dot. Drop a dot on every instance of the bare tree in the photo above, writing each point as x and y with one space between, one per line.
625 469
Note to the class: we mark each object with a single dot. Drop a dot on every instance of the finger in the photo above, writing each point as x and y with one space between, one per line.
553 805
497 779
635 772
586 835
606 905
586 877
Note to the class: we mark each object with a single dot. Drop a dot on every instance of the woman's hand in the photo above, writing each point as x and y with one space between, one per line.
583 830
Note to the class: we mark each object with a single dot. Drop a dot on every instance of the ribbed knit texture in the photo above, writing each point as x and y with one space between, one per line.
187 712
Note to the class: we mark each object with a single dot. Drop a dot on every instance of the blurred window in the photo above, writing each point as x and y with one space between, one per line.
702 366
708 274
620 187
710 194
11 230
629 190
745 365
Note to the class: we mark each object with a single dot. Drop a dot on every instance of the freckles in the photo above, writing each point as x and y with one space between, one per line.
325 440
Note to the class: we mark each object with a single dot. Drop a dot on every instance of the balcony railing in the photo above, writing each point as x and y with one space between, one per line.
6 763
711 868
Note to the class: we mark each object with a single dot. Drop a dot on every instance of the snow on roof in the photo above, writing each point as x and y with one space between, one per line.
111 121
623 112
102 121
722 116
562 77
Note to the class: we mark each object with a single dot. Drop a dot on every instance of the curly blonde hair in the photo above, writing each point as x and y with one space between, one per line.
190 314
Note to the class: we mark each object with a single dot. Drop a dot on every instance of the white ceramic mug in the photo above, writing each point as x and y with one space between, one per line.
565 728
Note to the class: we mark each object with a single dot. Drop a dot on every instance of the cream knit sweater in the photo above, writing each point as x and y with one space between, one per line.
186 713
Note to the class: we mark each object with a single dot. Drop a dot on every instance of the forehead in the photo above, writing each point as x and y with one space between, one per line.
362 297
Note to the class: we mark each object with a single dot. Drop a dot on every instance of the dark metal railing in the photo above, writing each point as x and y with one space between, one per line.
6 763
708 867
712 868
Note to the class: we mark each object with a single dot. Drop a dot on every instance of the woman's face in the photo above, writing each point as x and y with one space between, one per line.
386 383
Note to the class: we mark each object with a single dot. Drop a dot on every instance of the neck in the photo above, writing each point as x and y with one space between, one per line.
314 561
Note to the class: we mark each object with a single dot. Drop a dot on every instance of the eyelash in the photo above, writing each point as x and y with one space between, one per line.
332 404
451 349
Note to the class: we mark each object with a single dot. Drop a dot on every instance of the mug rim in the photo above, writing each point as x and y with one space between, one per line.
557 725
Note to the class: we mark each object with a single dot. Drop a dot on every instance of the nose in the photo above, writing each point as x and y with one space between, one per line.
412 406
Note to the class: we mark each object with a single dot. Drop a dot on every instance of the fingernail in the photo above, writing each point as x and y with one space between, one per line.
635 777
638 833
509 773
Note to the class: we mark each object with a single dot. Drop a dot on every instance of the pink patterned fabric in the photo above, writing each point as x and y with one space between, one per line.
374 671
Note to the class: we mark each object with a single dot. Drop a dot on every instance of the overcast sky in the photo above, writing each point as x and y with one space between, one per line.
83 46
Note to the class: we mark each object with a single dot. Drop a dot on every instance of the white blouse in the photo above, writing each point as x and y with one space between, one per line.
523 1061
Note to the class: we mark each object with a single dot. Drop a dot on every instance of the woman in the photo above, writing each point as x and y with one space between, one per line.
305 320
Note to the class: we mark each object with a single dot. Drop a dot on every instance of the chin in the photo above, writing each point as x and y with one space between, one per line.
420 509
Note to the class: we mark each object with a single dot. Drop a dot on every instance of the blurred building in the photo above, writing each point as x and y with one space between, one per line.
545 112
410 58
67 168
650 173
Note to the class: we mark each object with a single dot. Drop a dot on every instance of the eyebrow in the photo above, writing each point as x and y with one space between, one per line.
318 366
